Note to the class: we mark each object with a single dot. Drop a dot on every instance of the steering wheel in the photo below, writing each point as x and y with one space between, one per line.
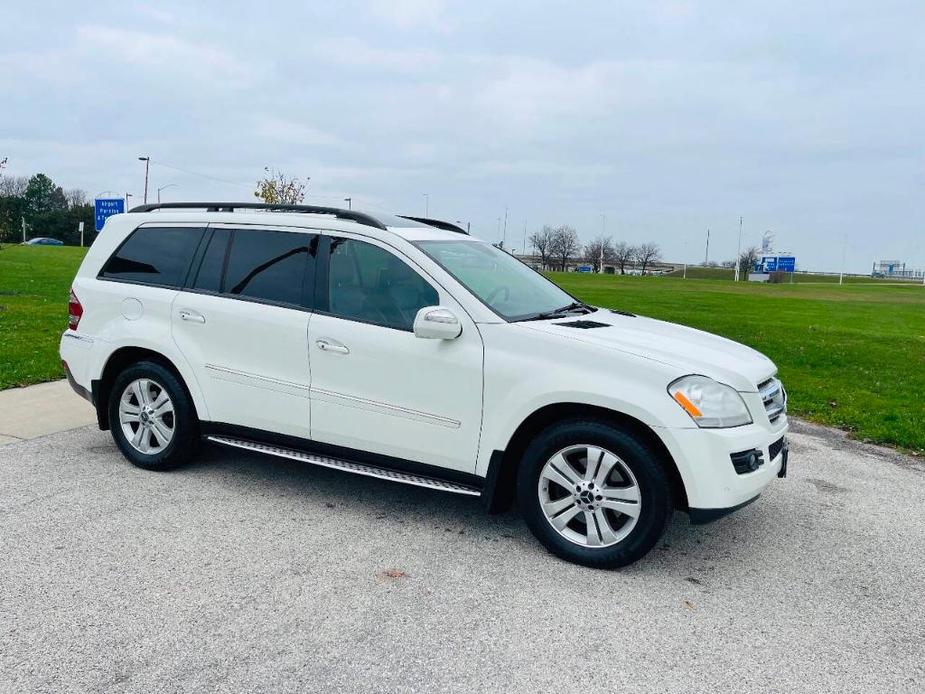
491 297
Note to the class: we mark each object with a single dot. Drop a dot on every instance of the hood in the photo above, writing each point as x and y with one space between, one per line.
688 350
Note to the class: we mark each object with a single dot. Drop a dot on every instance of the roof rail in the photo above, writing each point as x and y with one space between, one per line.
437 223
358 217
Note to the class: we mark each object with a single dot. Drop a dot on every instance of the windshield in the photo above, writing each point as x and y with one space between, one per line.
503 283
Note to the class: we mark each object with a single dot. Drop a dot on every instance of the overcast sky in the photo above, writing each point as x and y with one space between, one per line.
805 118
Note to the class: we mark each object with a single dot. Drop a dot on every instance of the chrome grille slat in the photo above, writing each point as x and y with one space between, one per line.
774 398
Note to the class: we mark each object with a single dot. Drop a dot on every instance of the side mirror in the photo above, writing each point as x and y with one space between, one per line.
436 323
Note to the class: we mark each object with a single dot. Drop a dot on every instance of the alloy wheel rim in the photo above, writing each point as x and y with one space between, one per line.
146 416
589 496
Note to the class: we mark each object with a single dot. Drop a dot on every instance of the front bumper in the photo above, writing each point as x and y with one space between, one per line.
703 456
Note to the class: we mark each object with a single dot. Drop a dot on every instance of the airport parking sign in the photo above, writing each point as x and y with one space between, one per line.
106 207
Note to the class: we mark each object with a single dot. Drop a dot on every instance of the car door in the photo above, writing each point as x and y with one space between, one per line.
375 386
242 323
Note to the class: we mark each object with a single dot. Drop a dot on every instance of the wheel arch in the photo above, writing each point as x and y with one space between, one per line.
120 359
502 472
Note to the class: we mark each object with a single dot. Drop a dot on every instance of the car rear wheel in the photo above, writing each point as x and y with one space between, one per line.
152 417
593 493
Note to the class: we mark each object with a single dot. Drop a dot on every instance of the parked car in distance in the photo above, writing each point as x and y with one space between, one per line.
43 241
404 349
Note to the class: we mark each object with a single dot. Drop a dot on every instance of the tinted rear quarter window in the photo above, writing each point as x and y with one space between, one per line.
269 265
152 255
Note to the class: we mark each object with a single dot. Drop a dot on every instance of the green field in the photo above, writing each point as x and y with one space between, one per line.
852 356
34 283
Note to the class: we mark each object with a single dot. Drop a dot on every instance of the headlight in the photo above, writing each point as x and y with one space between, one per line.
712 405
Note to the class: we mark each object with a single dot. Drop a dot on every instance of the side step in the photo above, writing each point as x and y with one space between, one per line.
348 466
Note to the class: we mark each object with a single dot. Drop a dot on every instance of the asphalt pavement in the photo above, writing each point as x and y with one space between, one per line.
248 573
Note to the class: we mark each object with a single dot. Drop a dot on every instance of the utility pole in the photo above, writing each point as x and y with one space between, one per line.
844 250
738 251
147 161
706 257
504 233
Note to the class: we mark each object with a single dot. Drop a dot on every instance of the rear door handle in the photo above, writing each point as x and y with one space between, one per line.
326 345
191 316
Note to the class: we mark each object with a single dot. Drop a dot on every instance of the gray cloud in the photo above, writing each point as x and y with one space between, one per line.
667 117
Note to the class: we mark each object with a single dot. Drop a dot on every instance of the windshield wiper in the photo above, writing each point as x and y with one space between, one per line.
559 312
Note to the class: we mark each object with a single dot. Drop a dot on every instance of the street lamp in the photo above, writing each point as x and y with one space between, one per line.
426 205
147 161
459 221
349 202
127 196
169 185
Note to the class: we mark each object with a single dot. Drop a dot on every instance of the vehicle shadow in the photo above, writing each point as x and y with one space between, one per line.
684 549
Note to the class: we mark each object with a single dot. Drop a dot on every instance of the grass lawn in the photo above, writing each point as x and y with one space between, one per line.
851 356
34 284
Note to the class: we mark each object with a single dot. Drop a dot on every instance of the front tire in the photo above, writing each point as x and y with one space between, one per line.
152 417
594 494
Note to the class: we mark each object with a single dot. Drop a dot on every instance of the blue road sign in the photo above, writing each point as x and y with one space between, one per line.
584 268
106 207
777 263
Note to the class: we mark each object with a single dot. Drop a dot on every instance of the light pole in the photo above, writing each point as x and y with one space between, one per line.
706 257
127 196
739 251
147 161
459 221
349 202
426 205
169 185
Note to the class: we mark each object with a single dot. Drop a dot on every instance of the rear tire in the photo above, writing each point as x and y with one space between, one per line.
604 517
152 417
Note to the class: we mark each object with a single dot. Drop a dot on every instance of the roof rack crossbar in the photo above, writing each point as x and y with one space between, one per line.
359 217
437 223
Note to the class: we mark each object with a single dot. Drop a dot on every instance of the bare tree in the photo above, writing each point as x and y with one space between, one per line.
277 188
75 197
565 245
747 262
623 255
13 186
542 242
646 254
599 251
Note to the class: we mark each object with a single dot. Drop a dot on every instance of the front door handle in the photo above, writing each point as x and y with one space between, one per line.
326 345
191 316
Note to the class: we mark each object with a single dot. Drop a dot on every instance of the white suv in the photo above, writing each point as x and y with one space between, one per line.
404 349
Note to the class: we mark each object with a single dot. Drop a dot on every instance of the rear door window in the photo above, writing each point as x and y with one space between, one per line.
209 277
154 255
272 266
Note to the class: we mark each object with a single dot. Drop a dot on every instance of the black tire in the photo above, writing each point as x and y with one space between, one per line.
184 444
644 463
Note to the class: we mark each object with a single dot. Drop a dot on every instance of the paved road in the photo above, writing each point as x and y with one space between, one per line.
254 574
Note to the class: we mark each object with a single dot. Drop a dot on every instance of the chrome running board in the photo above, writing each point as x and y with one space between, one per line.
348 466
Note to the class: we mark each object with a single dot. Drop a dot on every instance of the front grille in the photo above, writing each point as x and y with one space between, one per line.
774 398
775 448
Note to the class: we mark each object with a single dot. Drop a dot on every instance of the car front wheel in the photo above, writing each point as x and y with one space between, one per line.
594 494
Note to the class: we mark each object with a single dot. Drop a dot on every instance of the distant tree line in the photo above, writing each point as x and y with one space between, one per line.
46 209
558 246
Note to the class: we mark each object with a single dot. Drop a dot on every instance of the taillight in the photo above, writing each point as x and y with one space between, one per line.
74 311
